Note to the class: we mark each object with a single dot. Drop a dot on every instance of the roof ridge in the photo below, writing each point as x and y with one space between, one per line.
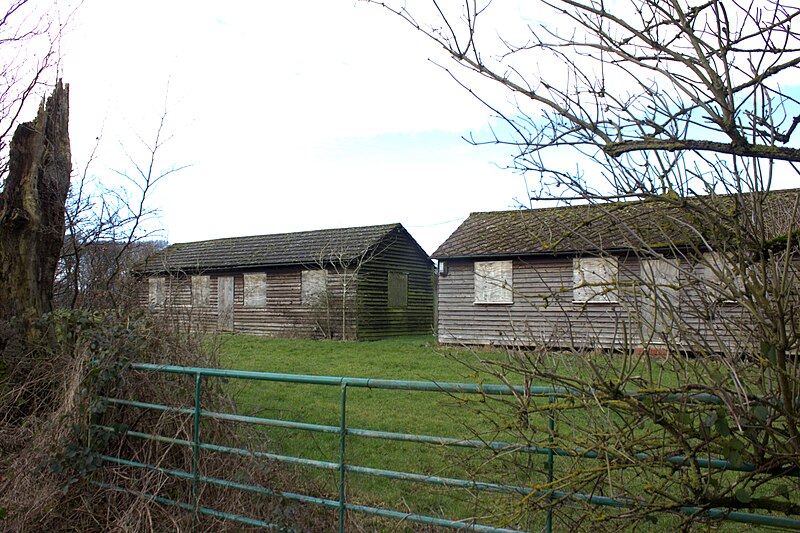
290 248
575 228
626 203
286 233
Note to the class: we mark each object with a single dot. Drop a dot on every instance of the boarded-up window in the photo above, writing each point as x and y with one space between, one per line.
594 279
255 290
720 279
493 282
398 289
201 294
660 278
315 287
660 299
157 294
225 320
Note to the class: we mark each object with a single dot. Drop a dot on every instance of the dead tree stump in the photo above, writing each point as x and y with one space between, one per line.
32 217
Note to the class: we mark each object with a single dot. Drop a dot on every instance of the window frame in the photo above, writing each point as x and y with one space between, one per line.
661 295
313 291
712 264
156 291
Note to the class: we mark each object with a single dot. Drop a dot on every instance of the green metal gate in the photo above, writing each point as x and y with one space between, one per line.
343 467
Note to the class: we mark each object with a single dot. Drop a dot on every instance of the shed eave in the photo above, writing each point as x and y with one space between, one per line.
242 267
219 269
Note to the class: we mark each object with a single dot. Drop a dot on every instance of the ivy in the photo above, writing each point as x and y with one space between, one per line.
110 343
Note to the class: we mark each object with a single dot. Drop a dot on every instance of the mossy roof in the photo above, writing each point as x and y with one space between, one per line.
282 249
657 223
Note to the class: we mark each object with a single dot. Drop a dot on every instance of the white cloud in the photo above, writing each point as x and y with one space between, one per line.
294 115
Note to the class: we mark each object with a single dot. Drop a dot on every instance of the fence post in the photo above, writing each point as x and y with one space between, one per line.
550 440
342 466
196 451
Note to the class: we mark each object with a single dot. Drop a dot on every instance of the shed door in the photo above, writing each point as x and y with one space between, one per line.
225 303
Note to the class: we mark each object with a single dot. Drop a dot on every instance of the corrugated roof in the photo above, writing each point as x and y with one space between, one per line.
282 249
612 226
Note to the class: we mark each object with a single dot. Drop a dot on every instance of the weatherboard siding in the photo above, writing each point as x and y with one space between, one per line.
285 314
355 304
709 324
376 318
544 313
178 305
282 310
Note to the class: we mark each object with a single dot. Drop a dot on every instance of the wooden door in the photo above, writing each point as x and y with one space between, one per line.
225 303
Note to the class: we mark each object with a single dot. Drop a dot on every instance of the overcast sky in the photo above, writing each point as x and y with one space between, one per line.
293 116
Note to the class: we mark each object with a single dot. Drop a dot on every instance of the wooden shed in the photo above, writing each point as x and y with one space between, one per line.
354 283
611 275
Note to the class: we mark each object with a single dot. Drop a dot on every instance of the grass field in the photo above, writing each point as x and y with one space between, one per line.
410 358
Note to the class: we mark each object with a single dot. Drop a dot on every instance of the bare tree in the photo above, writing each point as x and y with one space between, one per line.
673 103
29 35
637 86
109 228
336 303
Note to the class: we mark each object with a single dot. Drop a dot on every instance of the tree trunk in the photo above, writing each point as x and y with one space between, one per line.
32 217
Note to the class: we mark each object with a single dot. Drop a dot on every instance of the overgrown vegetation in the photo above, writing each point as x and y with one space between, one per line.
50 398
52 476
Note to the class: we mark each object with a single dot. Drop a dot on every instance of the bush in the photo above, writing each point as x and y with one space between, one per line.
52 476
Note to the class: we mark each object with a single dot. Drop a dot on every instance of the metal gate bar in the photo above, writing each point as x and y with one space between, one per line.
551 393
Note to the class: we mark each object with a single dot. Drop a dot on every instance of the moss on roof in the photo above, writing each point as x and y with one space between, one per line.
283 249
657 223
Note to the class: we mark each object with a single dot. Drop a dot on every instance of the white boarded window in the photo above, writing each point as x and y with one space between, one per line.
719 277
660 278
157 291
314 287
493 282
201 294
594 279
398 289
255 289
660 298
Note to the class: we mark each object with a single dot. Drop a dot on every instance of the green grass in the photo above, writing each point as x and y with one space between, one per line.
403 358
411 358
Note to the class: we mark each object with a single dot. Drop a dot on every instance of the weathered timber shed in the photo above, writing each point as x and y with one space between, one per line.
355 283
655 273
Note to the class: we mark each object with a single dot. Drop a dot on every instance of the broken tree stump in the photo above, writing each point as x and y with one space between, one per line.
32 216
